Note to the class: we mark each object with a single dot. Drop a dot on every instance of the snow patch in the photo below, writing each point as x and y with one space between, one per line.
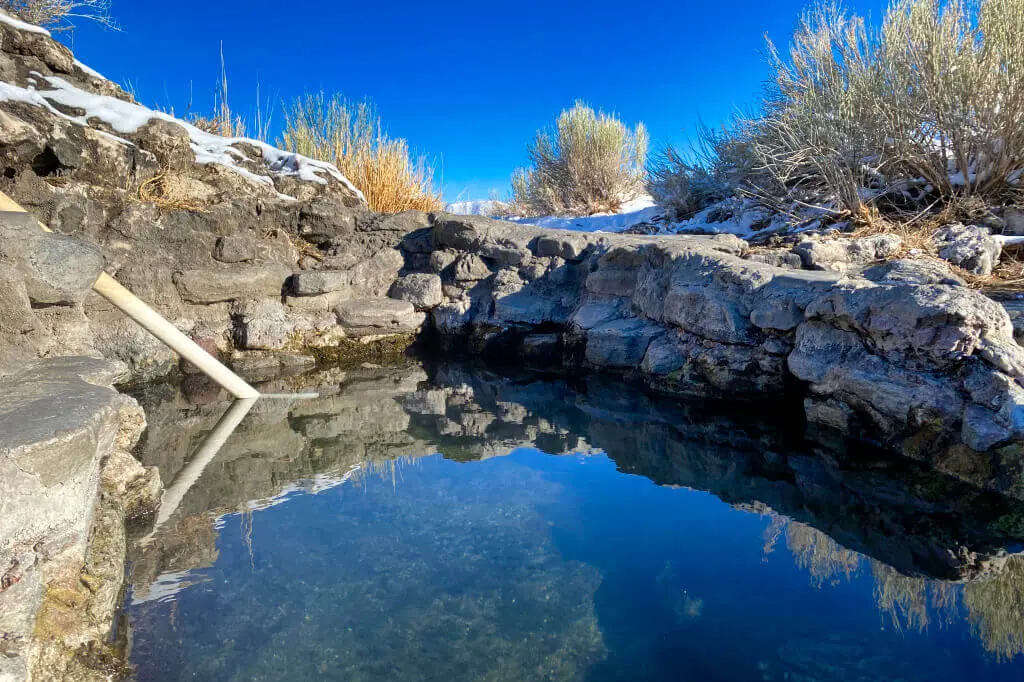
91 71
21 25
484 207
127 118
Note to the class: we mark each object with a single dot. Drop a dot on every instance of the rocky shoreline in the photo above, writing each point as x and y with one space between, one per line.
273 262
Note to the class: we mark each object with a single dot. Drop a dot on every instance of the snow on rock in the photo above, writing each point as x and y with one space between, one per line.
128 117
741 217
22 25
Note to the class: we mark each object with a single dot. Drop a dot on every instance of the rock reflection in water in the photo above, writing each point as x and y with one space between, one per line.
406 563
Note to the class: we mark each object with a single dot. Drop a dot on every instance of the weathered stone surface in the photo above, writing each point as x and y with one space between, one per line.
504 243
566 245
370 317
263 325
780 258
422 290
621 343
842 255
685 363
138 487
19 605
235 248
907 271
319 282
471 268
318 303
56 269
970 247
54 431
930 325
214 285
374 276
836 363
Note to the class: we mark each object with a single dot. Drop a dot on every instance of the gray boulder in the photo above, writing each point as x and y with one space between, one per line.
780 258
844 255
319 282
381 316
913 271
621 344
57 269
970 247
215 285
422 290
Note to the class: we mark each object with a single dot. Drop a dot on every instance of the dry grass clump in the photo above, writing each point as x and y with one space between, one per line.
229 126
589 163
926 107
350 136
59 15
168 192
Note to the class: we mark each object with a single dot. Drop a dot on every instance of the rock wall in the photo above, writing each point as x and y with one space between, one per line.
67 485
900 353
243 246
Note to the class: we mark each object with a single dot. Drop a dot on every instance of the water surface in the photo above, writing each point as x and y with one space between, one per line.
465 525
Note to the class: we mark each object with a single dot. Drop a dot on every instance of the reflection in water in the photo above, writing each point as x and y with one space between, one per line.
994 605
327 540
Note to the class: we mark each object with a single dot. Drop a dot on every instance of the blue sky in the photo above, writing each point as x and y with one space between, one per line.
466 83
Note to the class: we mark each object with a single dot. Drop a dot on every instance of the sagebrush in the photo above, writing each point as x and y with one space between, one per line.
926 107
719 163
916 113
591 162
350 135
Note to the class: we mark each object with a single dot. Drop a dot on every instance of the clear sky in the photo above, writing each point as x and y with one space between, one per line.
468 84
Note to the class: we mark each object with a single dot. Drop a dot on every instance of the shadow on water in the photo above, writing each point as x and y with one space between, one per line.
453 522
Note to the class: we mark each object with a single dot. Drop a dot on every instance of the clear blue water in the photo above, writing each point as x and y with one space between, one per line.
337 542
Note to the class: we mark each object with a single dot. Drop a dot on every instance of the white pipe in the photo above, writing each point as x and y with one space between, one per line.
107 287
190 473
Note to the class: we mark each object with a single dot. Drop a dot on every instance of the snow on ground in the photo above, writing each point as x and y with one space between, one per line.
484 207
741 217
640 210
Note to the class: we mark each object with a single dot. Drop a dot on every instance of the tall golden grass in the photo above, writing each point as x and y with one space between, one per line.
350 135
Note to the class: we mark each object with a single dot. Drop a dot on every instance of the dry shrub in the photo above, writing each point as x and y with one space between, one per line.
228 126
350 136
590 163
59 15
926 107
168 192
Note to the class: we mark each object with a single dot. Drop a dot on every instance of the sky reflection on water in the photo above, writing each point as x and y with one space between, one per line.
328 541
